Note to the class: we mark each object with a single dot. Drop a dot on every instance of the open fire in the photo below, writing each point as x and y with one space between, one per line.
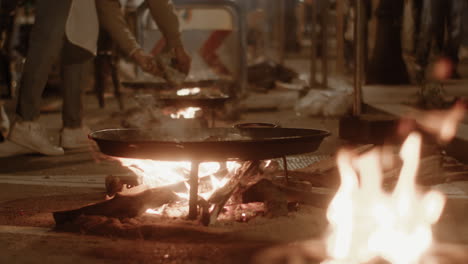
188 91
155 174
186 113
368 223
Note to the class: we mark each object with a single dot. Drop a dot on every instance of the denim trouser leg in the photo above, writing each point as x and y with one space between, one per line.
432 20
454 27
46 41
438 15
75 70
409 37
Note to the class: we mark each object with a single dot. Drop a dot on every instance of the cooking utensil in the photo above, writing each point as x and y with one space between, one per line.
193 100
208 144
256 125
222 84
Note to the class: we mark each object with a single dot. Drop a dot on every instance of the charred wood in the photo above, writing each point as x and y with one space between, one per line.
275 200
221 196
121 206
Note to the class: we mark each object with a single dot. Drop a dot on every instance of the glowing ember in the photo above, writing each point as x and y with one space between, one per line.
186 113
188 91
366 222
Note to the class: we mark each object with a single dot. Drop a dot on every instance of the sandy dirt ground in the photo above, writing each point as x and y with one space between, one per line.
35 186
32 187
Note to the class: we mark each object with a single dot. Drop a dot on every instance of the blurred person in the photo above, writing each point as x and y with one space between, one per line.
409 37
162 11
69 28
441 20
291 41
385 62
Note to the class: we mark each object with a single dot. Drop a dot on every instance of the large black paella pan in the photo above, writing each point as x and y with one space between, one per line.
208 144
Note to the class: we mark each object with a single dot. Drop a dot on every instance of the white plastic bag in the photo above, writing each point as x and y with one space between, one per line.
328 103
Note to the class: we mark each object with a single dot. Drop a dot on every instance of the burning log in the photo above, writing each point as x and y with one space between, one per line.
222 195
121 206
276 201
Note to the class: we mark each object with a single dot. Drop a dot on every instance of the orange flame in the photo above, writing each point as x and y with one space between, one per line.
186 113
366 222
162 173
188 91
442 123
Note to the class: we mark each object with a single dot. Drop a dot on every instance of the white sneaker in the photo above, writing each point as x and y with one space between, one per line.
73 138
4 121
31 135
10 149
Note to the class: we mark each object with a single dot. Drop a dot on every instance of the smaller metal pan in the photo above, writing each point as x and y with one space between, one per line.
162 86
194 101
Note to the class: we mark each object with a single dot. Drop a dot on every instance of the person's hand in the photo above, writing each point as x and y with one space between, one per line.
183 60
146 62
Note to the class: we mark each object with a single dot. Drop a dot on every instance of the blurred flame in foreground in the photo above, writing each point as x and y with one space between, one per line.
366 222
186 113
443 123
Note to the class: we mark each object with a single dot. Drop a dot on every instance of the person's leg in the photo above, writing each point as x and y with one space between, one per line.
75 77
454 27
431 20
75 73
46 42
410 28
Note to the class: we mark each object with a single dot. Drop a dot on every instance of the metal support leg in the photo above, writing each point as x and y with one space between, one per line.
213 117
193 181
340 64
286 172
282 28
324 27
313 46
359 57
